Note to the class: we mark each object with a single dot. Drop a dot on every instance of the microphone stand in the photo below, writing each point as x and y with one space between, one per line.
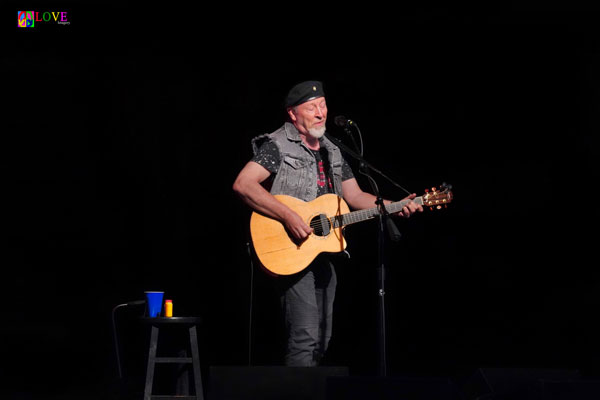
384 220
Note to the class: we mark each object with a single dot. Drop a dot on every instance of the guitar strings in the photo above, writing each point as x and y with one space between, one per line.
331 223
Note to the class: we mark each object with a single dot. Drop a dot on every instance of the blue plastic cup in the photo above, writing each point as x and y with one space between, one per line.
154 303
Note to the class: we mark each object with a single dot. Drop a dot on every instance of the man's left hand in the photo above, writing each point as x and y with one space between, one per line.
410 208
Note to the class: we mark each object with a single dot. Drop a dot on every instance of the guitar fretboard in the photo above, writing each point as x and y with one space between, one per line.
369 213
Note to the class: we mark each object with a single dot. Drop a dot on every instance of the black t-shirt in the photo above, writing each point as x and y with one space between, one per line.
268 156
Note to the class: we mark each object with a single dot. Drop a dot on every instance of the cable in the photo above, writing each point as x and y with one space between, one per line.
116 339
360 138
115 336
251 301
363 164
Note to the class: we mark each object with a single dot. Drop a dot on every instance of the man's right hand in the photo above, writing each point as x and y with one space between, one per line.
248 186
296 227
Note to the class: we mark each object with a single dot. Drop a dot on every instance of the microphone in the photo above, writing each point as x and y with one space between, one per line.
343 122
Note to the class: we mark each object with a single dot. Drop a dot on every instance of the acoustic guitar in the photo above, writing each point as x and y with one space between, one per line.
327 215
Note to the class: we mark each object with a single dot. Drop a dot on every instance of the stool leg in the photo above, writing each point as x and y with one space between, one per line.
151 363
196 363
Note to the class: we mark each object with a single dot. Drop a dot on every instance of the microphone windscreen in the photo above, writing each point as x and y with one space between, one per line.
340 120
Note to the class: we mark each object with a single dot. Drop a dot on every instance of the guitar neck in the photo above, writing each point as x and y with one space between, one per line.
369 213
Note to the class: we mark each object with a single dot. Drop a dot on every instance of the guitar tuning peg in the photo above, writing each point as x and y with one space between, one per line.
426 190
433 189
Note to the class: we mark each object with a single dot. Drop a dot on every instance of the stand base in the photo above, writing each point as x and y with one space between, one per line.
384 388
271 382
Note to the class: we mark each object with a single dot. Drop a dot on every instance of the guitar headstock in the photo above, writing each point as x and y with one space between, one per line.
438 197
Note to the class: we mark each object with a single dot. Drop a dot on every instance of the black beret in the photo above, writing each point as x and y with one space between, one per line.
303 92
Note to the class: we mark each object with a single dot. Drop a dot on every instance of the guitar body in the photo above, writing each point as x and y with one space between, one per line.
327 215
278 253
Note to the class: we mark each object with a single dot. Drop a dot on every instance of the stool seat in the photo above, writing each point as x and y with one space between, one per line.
158 322
172 320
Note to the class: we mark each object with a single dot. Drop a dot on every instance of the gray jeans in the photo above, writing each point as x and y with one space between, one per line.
307 303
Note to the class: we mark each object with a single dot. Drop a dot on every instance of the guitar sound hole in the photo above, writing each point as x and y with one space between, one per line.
321 225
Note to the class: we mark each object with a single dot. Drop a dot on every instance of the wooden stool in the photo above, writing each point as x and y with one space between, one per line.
157 323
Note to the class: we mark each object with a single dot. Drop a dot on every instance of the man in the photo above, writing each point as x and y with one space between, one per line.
304 164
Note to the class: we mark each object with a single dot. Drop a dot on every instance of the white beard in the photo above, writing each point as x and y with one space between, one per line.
317 133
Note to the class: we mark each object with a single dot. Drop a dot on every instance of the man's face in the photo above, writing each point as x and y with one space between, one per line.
310 117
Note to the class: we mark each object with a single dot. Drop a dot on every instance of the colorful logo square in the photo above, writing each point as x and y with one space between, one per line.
25 19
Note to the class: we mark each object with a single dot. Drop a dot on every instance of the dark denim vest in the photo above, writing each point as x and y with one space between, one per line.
297 175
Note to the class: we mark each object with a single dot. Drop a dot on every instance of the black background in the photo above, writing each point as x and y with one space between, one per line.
123 133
